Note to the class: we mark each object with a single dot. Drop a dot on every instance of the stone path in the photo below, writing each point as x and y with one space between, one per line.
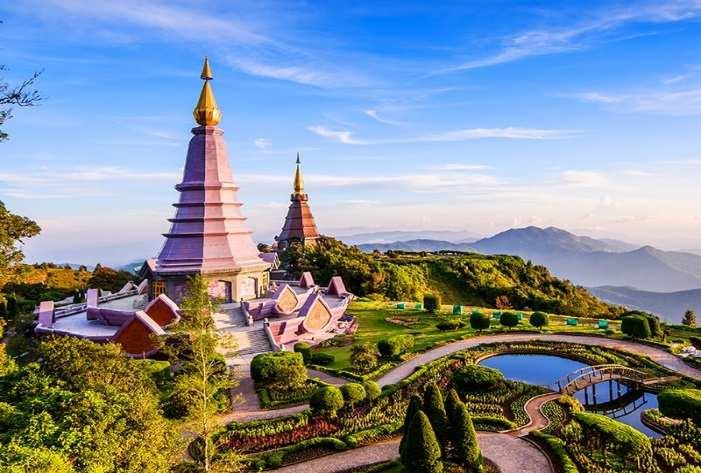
537 419
510 454
658 355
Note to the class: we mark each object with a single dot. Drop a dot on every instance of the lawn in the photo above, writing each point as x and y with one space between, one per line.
378 320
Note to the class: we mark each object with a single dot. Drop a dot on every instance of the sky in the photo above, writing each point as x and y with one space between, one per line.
457 116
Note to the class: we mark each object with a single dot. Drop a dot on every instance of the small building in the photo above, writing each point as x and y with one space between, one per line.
299 223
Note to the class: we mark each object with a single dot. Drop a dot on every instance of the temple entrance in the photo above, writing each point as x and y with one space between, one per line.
247 288
220 290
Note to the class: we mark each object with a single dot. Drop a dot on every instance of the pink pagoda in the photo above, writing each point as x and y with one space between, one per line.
208 235
299 224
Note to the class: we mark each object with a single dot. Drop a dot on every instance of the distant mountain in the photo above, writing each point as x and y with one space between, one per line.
669 305
400 235
584 260
132 266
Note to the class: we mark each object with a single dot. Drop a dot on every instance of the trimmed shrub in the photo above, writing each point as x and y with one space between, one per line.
372 390
422 453
395 346
617 433
279 370
452 402
636 326
681 403
480 321
353 393
464 438
450 325
477 378
322 359
305 350
696 342
326 400
415 405
432 303
508 319
539 319
363 357
435 410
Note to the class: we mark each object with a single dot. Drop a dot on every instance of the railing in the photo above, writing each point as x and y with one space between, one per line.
589 375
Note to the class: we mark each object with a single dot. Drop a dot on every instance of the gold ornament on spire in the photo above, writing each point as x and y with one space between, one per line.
299 182
206 111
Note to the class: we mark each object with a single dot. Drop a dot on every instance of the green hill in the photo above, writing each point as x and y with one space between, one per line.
460 278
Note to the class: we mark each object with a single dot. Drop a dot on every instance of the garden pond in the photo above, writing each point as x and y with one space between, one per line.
612 399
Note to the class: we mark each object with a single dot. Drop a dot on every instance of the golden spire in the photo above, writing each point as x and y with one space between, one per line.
299 182
206 111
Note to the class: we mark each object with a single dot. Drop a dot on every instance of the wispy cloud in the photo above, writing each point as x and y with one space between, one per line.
665 102
465 134
584 178
602 25
375 116
460 167
262 143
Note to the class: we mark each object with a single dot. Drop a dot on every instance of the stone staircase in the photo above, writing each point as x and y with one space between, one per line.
251 342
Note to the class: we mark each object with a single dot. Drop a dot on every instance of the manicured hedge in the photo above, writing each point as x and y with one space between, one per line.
480 321
372 390
279 369
558 448
477 378
618 432
395 346
305 349
322 359
326 400
681 403
539 319
636 326
450 325
353 393
508 319
276 458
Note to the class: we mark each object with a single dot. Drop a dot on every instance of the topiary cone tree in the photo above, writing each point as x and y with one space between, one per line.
464 439
415 405
421 454
539 319
435 410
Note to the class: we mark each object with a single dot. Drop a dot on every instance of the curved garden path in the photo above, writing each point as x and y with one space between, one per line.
658 355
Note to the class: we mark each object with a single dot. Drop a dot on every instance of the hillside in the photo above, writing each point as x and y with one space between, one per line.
583 260
464 278
668 305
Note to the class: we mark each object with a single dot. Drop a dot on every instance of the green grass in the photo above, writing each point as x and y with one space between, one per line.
373 326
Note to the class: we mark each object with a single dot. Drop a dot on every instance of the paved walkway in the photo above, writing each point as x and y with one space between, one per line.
510 454
658 355
537 419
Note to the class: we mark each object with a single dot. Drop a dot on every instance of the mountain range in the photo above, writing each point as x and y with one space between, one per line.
585 261
669 305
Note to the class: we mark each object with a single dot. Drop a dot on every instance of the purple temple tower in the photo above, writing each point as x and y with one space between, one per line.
208 235
299 226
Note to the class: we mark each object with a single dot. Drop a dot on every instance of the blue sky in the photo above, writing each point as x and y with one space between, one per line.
469 116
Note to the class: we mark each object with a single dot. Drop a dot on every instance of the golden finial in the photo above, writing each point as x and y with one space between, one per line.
299 182
206 111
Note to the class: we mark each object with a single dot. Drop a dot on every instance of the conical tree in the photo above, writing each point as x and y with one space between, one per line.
464 439
435 410
422 454
415 405
452 404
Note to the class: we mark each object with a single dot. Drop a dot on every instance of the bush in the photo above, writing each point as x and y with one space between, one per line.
558 448
421 453
539 319
636 326
326 400
372 390
450 325
305 350
480 321
432 303
464 438
508 319
434 407
696 342
363 357
626 437
681 403
477 378
353 393
395 346
279 370
322 359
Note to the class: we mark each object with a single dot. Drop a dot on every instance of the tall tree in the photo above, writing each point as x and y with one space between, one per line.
13 230
689 318
22 94
464 440
422 454
202 379
435 410
415 405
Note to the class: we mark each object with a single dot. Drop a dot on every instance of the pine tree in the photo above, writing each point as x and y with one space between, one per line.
435 410
422 453
464 438
689 318
415 405
452 404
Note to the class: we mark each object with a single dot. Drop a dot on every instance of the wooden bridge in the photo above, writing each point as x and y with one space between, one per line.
591 375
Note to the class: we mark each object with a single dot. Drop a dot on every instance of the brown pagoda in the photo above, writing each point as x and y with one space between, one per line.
299 224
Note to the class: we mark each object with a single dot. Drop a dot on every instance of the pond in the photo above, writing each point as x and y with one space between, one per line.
544 370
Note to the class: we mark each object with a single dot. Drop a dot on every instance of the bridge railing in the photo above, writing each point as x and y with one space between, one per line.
599 373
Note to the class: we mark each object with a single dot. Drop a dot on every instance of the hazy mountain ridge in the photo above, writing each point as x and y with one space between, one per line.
584 260
669 305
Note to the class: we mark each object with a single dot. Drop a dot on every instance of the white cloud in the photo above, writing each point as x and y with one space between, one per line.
460 167
262 143
665 102
583 178
601 26
375 116
466 134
